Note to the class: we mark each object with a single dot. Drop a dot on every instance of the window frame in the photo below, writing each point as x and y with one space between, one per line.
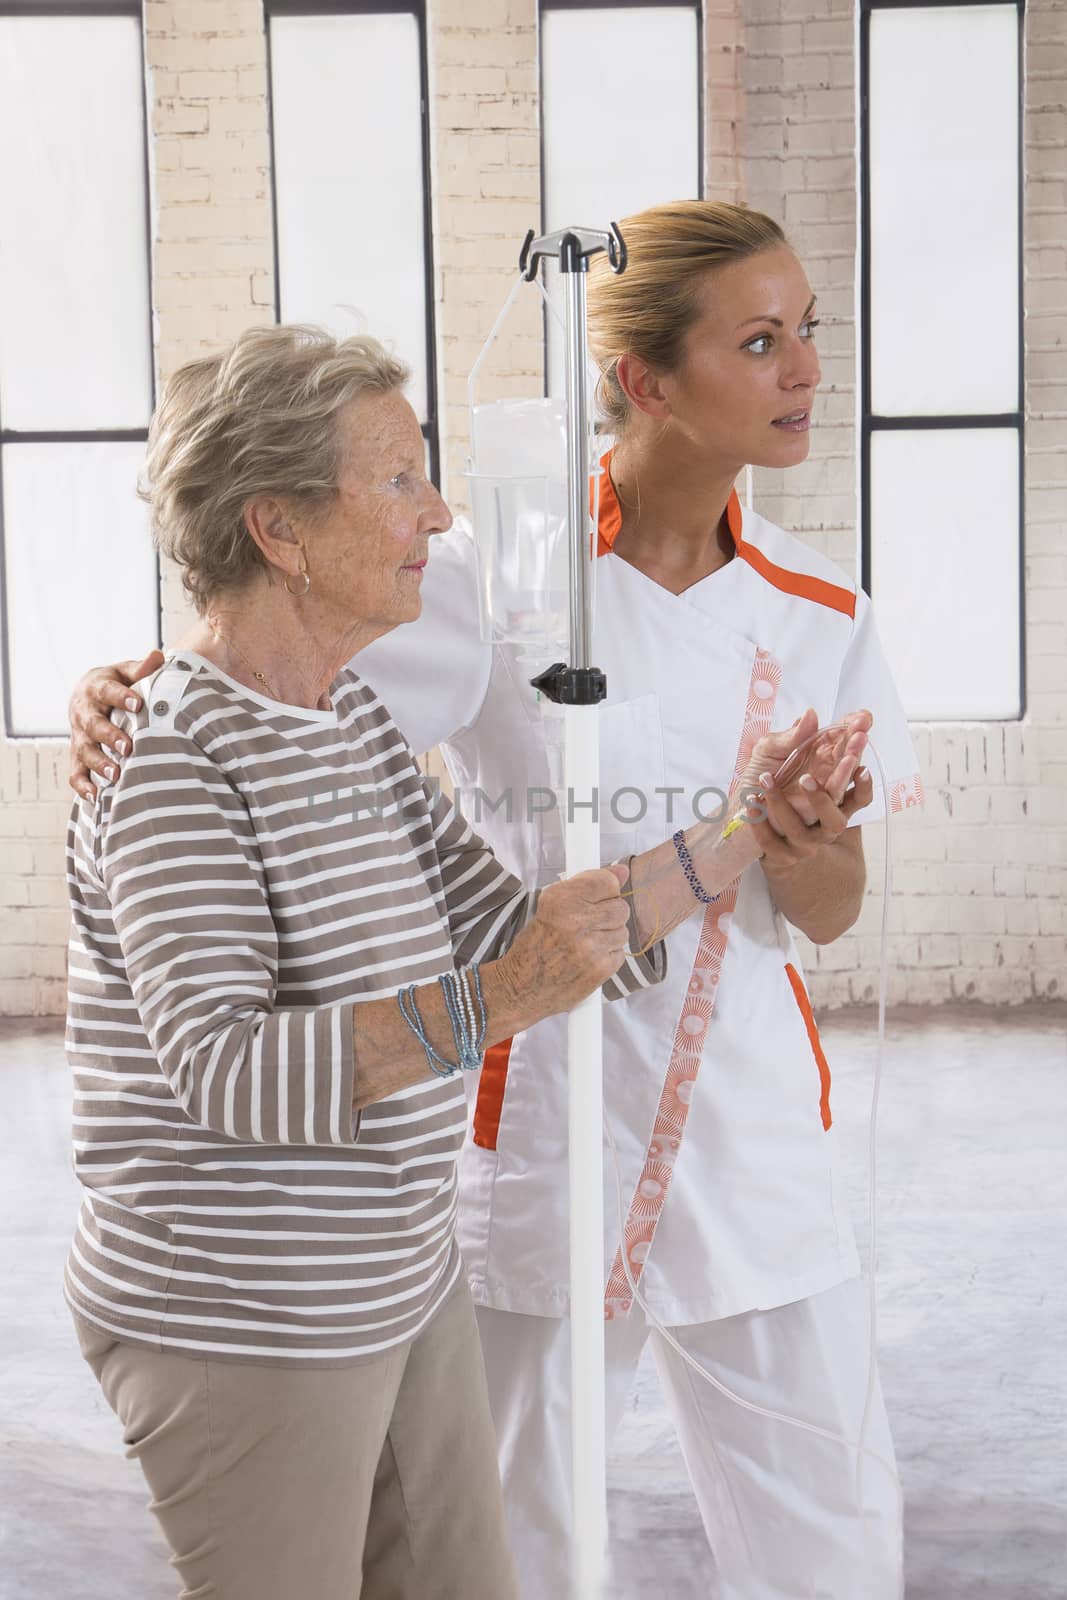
431 431
872 422
14 436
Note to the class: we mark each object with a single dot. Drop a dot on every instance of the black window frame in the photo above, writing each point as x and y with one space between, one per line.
872 422
348 8
14 436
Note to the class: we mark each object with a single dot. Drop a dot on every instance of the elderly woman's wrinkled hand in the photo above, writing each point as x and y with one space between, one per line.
96 744
577 939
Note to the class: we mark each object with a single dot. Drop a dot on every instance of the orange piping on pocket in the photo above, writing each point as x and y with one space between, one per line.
801 996
490 1101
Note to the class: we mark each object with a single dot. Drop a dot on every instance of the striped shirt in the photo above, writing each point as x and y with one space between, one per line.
256 871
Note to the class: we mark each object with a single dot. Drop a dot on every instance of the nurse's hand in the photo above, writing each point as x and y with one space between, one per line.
577 939
96 744
809 782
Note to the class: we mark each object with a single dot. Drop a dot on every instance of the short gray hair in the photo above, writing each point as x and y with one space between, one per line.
257 419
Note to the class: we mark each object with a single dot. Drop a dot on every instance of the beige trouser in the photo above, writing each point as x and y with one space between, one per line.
277 1483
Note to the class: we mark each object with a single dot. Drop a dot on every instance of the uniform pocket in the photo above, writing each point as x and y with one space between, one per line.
631 785
800 995
631 776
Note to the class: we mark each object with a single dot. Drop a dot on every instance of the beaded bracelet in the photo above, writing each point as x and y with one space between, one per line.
410 1012
686 862
465 1005
466 1009
468 1021
471 978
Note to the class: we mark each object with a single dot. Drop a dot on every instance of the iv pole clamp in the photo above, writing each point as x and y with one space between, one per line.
580 683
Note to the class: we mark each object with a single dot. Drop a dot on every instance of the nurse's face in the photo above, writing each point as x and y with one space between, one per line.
746 383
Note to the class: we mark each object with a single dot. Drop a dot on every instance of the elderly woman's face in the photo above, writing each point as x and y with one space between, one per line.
368 555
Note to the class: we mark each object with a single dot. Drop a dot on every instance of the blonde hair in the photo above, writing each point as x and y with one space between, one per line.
259 418
648 309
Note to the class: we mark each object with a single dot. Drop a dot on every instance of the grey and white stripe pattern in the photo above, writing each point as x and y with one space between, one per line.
255 873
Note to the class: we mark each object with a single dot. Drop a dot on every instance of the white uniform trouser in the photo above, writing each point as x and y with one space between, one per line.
778 1504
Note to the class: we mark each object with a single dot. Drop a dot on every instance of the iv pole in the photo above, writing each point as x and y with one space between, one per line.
579 687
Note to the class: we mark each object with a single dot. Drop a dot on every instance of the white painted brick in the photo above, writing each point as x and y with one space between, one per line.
1022 917
50 961
1008 986
18 998
1010 881
937 950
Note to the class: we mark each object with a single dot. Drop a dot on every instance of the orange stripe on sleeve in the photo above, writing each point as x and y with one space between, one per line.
801 996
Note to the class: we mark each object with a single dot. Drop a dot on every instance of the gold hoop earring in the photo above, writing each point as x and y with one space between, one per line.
298 594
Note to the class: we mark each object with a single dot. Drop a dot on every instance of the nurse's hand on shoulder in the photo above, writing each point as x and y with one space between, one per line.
96 744
577 939
809 805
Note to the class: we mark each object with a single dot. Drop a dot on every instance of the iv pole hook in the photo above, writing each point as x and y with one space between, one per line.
572 247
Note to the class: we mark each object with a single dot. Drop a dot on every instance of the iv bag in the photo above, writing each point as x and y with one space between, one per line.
518 496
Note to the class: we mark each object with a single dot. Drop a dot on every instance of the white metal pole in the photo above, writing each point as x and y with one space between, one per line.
584 1032
586 1136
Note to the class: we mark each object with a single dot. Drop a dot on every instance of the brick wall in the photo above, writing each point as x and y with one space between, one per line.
213 250
33 890
981 876
724 99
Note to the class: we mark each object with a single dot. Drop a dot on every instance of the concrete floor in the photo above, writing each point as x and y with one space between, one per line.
973 1312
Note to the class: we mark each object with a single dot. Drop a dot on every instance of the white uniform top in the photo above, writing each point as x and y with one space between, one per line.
715 1084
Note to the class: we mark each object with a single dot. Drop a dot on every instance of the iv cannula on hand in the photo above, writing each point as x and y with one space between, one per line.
721 852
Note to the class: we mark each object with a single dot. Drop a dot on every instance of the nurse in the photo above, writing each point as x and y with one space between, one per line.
713 627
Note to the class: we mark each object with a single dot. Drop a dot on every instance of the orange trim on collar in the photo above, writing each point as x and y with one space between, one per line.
610 520
817 590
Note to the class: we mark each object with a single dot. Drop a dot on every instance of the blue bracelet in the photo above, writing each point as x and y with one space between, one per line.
465 1005
410 1012
686 862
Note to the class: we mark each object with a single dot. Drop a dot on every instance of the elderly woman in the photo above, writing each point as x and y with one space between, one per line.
274 976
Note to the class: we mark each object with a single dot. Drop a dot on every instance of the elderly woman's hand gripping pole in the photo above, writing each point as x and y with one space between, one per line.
575 942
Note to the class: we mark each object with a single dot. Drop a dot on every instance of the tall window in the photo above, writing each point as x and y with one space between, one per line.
79 573
349 120
621 114
942 423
